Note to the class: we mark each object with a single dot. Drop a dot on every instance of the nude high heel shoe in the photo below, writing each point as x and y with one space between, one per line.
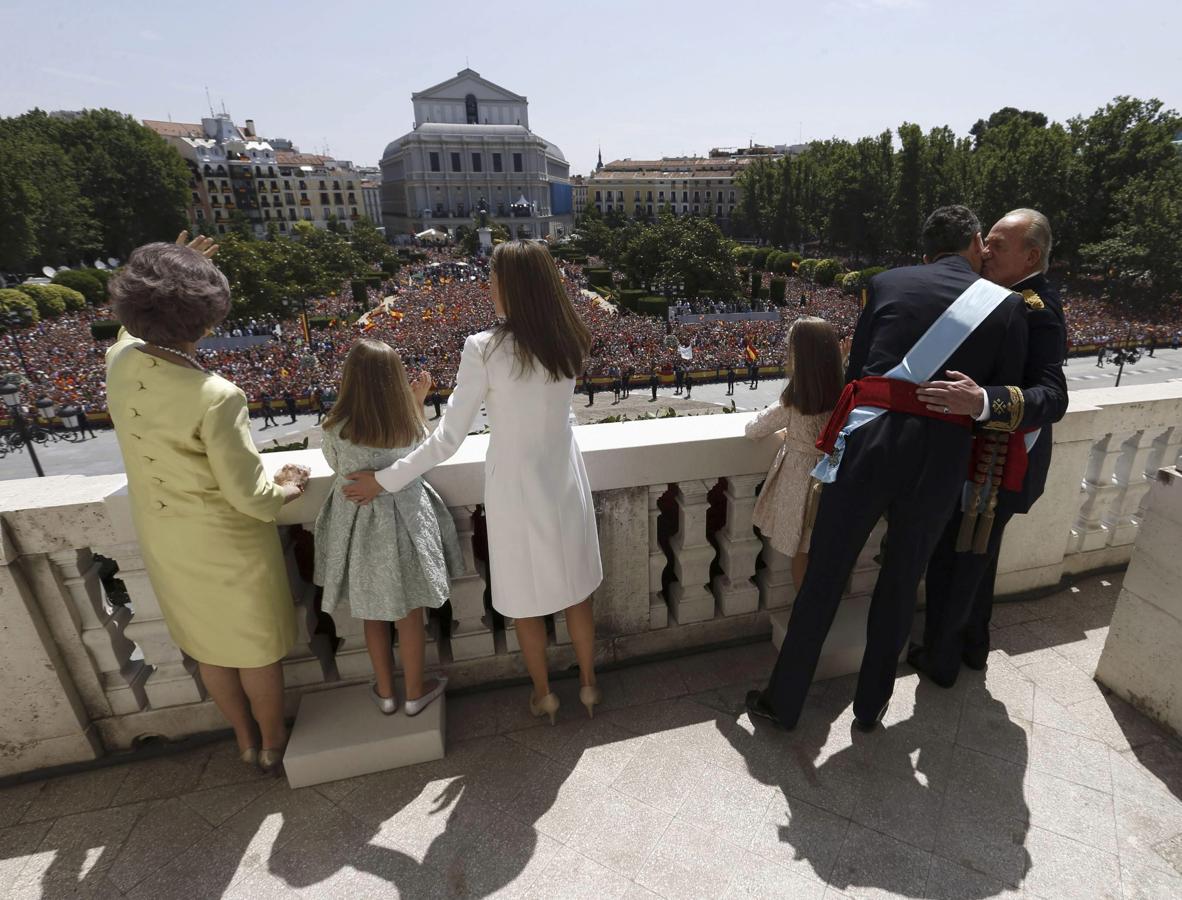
547 706
590 696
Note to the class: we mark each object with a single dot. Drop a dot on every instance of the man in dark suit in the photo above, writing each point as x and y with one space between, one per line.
289 403
688 381
960 579
268 411
653 380
730 380
905 461
627 377
589 385
678 379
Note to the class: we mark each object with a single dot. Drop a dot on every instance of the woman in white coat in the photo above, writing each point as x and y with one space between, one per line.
543 545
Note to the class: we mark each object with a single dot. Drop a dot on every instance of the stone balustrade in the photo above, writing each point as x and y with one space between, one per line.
683 568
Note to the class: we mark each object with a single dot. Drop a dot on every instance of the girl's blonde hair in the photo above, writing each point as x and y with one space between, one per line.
376 407
815 372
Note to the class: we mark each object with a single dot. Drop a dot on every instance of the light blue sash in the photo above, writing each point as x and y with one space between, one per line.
922 361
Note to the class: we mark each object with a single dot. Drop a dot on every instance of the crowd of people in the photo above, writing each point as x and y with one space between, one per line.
433 305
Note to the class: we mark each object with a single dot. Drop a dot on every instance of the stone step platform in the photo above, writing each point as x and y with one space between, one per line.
843 649
340 733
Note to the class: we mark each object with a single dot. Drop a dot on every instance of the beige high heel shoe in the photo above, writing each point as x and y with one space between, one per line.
547 706
269 760
590 696
250 756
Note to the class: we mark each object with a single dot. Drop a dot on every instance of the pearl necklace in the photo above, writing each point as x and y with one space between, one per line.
179 353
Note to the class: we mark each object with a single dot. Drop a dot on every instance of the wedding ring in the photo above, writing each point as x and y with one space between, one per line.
945 410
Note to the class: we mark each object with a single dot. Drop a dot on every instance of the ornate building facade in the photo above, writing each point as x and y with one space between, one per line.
472 142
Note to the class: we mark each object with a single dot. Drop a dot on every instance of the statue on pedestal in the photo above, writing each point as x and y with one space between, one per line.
482 213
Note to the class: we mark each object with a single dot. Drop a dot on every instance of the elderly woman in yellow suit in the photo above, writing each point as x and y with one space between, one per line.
201 502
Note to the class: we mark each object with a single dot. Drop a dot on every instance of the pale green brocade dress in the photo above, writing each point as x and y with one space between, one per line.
384 559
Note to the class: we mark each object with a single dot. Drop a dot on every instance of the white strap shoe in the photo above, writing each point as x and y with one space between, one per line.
414 707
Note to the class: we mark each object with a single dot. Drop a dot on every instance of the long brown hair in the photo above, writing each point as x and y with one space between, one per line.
538 314
375 407
815 372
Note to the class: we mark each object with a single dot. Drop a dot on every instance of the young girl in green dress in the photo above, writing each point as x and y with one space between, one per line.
391 559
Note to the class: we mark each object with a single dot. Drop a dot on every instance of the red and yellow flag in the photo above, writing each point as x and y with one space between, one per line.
752 353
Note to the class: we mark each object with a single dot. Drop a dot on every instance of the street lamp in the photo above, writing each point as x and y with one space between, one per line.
69 415
12 399
17 320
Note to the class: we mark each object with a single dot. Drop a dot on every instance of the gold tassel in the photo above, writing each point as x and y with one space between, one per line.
968 522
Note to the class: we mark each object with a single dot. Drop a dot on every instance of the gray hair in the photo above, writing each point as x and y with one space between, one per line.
169 294
1038 234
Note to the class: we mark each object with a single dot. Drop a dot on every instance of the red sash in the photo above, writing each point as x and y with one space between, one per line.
883 393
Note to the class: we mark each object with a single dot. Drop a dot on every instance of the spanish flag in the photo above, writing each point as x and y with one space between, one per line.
752 353
396 315
370 326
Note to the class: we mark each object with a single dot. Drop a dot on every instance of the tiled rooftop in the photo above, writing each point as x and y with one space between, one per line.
1026 780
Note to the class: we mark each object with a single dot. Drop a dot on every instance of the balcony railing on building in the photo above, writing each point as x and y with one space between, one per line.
94 669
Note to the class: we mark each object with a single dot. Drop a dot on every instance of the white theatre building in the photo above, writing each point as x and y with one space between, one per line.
472 141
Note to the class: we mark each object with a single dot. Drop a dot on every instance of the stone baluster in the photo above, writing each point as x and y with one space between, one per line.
738 548
689 597
170 682
471 636
101 630
1100 488
774 578
1133 478
658 608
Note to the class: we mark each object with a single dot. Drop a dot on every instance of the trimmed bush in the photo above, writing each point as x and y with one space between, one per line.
653 305
103 275
12 300
850 282
777 290
598 277
807 267
630 299
360 297
743 255
826 272
759 258
53 299
104 330
85 282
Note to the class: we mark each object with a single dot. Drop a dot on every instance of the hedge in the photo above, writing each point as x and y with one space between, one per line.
630 299
777 289
653 305
759 258
743 255
360 295
756 281
53 299
104 330
599 277
807 266
12 300
85 282
826 272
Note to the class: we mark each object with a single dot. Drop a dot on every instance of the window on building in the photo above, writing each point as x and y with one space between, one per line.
267 214
518 163
221 229
684 199
200 213
619 196
661 196
303 185
498 166
695 209
308 215
196 199
650 209
336 185
718 212
599 196
327 213
340 212
336 198
324 199
353 211
732 197
434 162
455 162
649 199
283 226
477 162
289 198
707 196
323 186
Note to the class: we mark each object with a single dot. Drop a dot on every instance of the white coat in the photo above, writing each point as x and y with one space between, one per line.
543 545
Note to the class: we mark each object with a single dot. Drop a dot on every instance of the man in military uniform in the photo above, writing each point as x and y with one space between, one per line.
1011 459
887 452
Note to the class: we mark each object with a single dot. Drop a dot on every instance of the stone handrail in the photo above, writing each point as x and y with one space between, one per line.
683 568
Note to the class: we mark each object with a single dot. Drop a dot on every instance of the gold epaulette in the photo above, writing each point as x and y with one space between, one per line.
1012 408
1033 301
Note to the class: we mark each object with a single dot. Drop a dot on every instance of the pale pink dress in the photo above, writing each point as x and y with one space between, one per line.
786 506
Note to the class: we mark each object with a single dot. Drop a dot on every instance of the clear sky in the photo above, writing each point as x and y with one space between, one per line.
644 79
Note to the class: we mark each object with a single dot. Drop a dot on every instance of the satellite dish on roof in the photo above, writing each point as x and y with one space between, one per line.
99 264
48 271
63 268
112 261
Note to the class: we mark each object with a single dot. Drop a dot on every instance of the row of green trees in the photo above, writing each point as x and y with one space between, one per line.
689 252
263 273
1110 182
93 185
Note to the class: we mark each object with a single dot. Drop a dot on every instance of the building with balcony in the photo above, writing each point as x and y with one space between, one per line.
472 141
237 175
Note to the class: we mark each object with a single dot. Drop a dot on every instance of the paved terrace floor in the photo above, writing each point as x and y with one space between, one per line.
1027 780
